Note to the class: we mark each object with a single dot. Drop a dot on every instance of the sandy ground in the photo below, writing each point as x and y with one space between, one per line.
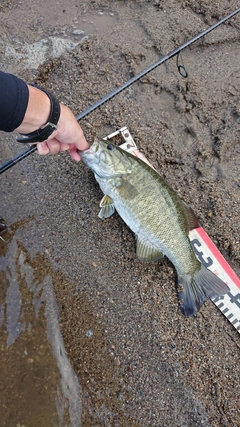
138 361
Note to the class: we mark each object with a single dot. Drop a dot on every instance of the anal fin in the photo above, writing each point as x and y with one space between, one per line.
147 252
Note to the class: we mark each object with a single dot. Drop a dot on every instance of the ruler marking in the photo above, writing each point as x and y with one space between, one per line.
220 305
218 256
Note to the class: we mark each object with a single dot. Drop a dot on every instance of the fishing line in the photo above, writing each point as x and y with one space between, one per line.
116 91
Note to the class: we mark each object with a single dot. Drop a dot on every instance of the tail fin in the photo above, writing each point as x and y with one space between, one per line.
197 289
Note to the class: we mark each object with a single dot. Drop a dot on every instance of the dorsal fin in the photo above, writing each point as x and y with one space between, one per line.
193 221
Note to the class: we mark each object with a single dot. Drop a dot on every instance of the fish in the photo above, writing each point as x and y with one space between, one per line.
157 216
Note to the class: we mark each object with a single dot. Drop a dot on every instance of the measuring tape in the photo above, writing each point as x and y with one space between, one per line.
208 254
204 248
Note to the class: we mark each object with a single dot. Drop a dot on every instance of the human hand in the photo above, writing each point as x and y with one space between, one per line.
68 136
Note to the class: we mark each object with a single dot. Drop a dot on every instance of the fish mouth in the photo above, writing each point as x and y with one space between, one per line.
93 152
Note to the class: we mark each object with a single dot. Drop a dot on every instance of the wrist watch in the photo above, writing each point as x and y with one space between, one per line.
45 131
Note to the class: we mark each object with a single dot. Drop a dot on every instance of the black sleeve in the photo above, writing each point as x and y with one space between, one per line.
14 96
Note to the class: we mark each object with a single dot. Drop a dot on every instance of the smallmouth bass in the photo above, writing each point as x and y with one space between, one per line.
160 220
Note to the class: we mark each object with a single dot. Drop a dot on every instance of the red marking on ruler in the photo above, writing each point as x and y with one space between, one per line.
218 256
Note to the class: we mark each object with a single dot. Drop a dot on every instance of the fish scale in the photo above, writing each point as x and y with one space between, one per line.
145 218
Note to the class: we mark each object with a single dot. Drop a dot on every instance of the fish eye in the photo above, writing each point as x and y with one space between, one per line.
110 147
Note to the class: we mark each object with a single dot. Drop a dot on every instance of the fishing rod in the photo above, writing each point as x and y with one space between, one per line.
116 91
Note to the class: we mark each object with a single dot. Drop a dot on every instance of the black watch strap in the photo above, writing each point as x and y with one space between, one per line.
45 131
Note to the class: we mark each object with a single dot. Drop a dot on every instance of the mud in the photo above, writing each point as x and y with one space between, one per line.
138 361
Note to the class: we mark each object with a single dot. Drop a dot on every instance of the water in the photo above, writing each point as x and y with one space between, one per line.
38 384
29 48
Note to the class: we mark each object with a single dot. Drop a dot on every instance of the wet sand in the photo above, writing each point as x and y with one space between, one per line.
138 361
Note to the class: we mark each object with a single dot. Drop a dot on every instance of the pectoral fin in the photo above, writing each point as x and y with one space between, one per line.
147 252
107 207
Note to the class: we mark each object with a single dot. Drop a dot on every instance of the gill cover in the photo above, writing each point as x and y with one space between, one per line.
107 160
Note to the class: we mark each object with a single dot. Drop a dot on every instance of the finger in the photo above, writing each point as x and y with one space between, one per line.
54 146
74 153
42 148
65 147
82 144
